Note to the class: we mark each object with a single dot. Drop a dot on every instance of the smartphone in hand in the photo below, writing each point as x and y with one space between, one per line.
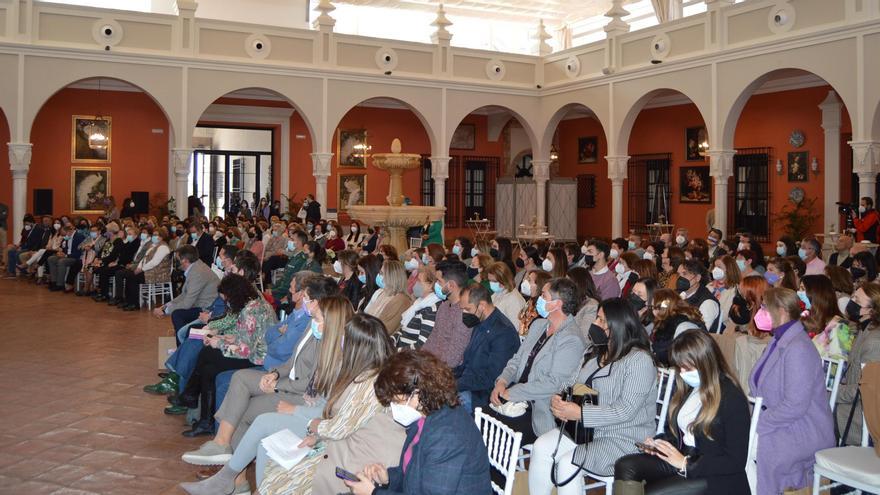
645 448
346 475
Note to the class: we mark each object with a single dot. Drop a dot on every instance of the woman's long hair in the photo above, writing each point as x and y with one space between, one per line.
823 302
625 332
697 349
752 289
365 348
337 311
237 291
669 304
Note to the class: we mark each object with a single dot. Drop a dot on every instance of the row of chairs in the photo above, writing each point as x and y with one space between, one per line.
148 293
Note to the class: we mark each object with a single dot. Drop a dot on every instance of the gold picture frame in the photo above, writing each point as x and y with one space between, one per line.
351 190
347 143
89 187
79 141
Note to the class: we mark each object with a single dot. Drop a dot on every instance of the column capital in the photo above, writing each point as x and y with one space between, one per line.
440 167
721 163
541 170
180 158
321 164
617 168
831 109
866 156
20 158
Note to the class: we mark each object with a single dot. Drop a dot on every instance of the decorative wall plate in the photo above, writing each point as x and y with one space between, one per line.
797 138
796 195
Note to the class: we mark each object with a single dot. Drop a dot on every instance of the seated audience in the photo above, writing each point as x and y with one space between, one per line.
199 290
124 254
672 316
863 269
527 261
604 279
450 336
296 261
625 378
647 269
64 259
831 332
705 445
493 342
745 261
642 301
691 285
355 237
477 268
390 300
314 257
531 288
369 267
842 282
545 361
281 338
589 297
417 322
555 262
444 452
154 268
203 242
755 331
797 420
346 266
626 275
811 252
505 296
841 255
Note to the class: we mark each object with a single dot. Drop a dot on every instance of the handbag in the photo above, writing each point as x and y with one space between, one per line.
581 395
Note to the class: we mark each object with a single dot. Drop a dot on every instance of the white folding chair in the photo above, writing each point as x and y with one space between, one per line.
415 242
856 467
665 380
834 371
149 292
598 482
757 404
275 274
80 280
503 445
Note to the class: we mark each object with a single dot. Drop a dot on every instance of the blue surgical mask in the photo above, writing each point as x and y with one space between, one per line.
411 264
316 330
290 246
802 253
631 245
495 287
143 237
418 290
541 307
741 264
691 377
802 295
193 235
129 238
380 281
426 259
780 250
362 278
474 252
439 291
93 235
155 239
771 277
173 229
456 250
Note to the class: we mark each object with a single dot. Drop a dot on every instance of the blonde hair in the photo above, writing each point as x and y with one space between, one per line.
502 274
782 298
394 275
336 311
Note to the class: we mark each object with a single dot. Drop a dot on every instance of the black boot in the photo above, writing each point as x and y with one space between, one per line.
205 426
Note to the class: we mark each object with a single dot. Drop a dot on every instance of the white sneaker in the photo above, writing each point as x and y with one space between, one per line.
209 454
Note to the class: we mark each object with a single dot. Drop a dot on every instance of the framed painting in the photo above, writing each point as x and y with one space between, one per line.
696 186
79 140
352 190
464 137
351 148
588 149
696 139
89 186
798 166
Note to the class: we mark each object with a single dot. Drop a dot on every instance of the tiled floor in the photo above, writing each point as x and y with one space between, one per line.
73 418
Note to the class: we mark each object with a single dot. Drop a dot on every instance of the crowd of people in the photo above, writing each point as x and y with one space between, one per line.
377 360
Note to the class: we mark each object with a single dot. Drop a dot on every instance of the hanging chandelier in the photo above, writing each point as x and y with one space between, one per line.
99 139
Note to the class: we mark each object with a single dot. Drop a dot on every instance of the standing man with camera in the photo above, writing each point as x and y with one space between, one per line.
866 226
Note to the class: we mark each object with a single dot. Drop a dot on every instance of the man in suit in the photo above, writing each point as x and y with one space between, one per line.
254 392
493 342
65 258
203 243
37 239
199 290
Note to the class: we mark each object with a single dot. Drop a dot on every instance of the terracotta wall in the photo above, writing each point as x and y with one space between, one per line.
139 158
5 176
591 222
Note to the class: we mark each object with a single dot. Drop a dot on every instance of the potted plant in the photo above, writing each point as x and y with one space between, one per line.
797 218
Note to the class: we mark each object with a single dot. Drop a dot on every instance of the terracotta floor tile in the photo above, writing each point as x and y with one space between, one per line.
102 481
33 488
66 474
100 458
28 468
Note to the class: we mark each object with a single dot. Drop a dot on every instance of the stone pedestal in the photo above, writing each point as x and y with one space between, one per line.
395 220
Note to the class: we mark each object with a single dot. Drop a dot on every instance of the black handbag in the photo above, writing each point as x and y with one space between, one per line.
575 429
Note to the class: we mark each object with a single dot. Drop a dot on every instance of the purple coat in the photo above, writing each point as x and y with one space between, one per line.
796 421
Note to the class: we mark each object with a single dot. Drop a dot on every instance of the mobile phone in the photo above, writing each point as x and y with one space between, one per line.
345 475
647 449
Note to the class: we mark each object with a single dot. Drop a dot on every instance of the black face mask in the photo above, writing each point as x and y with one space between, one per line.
493 253
588 260
472 272
636 302
853 311
597 335
857 273
520 263
739 310
682 284
470 320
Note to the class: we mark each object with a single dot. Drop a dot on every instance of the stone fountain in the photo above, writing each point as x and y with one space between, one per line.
396 218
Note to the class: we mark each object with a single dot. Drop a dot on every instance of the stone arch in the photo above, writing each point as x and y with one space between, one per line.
626 125
526 112
559 114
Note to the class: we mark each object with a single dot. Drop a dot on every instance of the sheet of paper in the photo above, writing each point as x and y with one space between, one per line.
282 448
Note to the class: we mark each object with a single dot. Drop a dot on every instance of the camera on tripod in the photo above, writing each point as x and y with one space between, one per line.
847 208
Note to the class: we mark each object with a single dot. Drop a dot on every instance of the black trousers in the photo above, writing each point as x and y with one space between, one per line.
522 424
273 263
659 476
211 362
105 273
120 276
133 283
73 272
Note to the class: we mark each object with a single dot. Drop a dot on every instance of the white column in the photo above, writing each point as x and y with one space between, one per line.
617 169
321 171
541 174
831 110
19 164
181 163
439 172
866 163
721 169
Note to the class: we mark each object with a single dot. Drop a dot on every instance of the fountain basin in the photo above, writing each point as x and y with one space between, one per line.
395 220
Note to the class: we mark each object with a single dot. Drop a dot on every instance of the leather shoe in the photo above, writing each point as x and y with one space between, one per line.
99 298
175 410
204 427
164 387
203 474
130 307
183 400
114 302
162 374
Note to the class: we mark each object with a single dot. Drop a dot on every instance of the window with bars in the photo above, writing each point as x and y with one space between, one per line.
649 190
470 189
749 199
427 183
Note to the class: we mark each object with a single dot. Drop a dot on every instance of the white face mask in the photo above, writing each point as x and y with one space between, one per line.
680 240
620 269
547 265
337 266
411 264
648 256
691 377
404 414
717 273
525 288
613 254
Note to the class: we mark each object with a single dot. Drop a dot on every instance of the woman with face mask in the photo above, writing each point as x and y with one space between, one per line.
417 322
626 275
334 240
390 300
529 288
705 445
477 267
443 446
505 296
641 299
623 374
346 267
863 269
527 260
754 328
314 257
555 263
832 334
355 237
790 378
589 295
672 316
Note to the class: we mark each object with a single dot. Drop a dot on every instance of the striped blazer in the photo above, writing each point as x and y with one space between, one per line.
625 414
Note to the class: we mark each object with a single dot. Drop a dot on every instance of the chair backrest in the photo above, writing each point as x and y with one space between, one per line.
757 403
834 370
415 242
665 381
503 446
